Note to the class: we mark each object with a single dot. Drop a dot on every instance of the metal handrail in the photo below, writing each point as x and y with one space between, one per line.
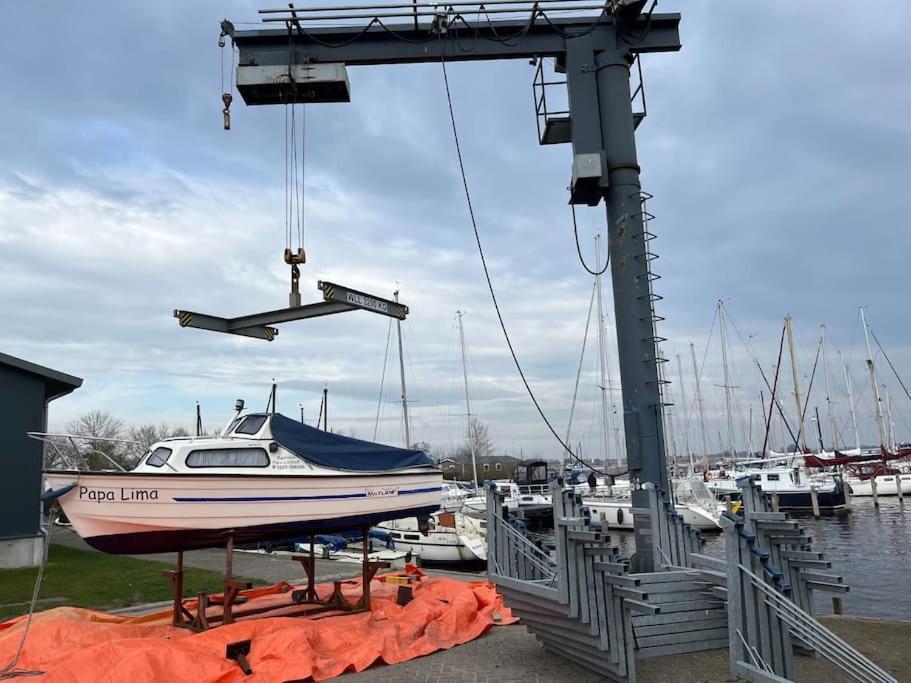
537 557
535 549
822 639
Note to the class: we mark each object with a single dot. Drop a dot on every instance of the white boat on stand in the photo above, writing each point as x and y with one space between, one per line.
451 537
265 477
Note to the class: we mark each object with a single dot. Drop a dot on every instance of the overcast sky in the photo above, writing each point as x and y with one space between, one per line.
777 147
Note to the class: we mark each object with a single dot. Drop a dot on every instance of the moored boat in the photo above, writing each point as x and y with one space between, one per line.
450 537
792 491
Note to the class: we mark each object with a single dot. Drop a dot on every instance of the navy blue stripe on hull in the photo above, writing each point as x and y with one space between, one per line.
283 499
197 539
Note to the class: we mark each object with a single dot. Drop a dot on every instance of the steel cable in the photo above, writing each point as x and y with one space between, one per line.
493 296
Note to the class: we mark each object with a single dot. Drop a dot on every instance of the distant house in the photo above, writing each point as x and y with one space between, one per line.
489 467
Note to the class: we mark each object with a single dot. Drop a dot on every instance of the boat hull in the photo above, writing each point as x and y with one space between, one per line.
129 513
619 515
441 544
802 500
886 485
611 514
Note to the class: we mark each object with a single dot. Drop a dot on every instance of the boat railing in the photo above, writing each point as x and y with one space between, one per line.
76 458
531 489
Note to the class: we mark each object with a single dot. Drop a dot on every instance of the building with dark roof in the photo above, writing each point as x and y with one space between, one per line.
489 467
26 390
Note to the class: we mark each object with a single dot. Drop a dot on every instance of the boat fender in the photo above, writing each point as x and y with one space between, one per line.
619 515
54 494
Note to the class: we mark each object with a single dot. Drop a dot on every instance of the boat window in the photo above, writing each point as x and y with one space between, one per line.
756 477
772 477
394 534
412 537
228 457
251 424
158 457
887 478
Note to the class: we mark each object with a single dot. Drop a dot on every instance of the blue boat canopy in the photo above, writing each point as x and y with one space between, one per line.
342 452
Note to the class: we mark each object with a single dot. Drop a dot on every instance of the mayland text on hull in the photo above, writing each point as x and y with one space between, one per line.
266 477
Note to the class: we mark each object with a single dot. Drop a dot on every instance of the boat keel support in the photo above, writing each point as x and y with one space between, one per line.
201 620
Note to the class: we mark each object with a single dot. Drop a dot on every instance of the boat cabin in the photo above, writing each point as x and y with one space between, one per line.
533 477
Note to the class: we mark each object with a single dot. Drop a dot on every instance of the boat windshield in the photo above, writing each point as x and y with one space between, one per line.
693 490
158 457
251 424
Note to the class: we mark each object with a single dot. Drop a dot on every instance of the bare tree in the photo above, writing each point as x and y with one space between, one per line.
479 438
421 446
101 424
146 435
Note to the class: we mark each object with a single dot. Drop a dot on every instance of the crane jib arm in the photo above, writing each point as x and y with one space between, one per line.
260 51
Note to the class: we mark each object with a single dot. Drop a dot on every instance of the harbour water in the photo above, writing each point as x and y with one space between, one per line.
870 547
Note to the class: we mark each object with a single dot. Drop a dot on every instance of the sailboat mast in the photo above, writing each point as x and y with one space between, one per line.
572 407
398 329
877 401
825 365
801 437
850 389
705 440
606 422
686 428
890 425
727 379
474 463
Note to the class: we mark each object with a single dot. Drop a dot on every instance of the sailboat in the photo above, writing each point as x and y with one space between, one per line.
264 477
450 536
775 475
877 478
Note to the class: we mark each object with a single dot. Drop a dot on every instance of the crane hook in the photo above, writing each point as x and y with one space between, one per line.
227 98
294 259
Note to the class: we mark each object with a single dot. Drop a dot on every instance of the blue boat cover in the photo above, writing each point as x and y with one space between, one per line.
342 452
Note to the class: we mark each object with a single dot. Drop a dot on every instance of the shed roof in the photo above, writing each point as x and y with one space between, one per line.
56 383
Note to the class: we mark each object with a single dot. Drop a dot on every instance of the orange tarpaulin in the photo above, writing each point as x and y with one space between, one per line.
72 644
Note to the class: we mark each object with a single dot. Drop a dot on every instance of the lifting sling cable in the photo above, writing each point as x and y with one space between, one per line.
493 297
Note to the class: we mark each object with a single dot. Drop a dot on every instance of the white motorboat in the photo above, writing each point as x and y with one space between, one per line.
611 512
476 504
617 513
886 485
794 492
265 477
451 537
453 497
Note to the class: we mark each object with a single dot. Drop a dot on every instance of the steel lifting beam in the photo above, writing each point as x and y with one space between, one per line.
336 299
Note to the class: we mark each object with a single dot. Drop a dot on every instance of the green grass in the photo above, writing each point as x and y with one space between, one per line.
85 578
